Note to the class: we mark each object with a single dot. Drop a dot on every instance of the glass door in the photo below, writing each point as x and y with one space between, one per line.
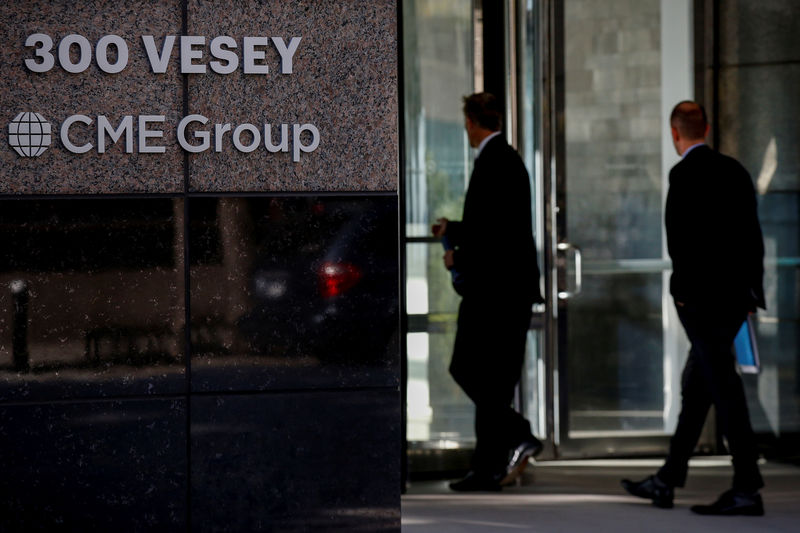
589 86
443 61
619 69
438 69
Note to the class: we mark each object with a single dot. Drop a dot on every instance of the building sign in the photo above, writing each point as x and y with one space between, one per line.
181 96
30 134
223 49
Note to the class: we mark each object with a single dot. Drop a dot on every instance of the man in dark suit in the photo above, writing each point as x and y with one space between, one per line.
495 256
715 242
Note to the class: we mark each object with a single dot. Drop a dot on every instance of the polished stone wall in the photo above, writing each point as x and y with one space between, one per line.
201 341
57 94
343 81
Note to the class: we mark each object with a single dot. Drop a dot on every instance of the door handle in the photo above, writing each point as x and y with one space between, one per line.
565 247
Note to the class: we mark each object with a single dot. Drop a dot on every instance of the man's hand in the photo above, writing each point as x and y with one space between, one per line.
448 259
440 228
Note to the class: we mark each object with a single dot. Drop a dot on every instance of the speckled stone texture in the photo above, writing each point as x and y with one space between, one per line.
96 466
329 462
263 318
91 299
57 94
344 81
156 346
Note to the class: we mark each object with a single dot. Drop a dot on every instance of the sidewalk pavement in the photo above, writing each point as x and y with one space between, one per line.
585 496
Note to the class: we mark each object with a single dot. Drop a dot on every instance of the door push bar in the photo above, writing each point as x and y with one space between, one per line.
564 247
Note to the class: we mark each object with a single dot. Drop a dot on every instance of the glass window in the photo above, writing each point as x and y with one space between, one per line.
438 71
624 349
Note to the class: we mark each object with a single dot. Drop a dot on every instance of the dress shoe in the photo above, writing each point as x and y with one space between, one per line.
475 482
518 458
651 488
733 502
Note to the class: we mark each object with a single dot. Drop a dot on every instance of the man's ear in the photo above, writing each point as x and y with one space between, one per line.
675 135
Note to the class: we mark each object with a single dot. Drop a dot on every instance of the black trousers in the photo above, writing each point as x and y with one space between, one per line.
487 362
710 378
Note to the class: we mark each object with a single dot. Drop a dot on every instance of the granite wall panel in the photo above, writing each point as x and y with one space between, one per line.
343 81
296 462
91 298
94 466
292 293
340 80
58 94
102 299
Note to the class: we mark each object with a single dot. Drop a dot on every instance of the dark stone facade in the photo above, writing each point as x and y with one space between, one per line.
202 341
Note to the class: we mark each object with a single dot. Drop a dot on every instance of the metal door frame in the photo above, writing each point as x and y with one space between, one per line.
554 181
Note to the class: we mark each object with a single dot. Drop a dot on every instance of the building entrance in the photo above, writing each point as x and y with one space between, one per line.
587 88
619 348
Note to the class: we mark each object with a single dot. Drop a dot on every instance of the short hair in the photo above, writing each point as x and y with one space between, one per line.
690 119
484 110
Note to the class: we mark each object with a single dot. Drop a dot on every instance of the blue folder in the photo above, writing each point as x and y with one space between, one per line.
458 278
746 349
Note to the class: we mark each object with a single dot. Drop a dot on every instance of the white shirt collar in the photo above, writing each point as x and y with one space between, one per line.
692 147
485 141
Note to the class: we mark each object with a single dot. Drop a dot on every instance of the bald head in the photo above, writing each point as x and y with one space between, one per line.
689 125
689 118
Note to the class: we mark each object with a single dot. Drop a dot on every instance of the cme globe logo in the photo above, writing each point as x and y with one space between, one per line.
29 134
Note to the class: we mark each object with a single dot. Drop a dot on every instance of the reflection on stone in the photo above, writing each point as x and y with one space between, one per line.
94 466
299 284
94 297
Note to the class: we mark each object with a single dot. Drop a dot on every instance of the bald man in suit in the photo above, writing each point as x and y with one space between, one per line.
717 250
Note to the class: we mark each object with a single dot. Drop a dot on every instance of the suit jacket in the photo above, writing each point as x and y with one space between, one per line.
713 234
494 247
